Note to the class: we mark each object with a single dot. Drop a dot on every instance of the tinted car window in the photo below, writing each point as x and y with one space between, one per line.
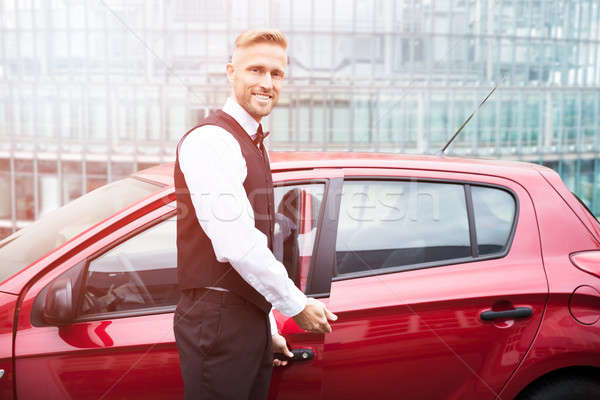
57 227
392 224
138 273
494 211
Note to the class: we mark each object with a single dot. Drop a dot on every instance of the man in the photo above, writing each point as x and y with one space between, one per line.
229 277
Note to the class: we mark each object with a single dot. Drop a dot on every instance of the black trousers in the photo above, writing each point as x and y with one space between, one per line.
225 346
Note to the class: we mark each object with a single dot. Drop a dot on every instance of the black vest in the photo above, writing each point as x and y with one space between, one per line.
197 265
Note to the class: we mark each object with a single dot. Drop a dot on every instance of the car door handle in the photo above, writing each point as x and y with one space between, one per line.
518 312
299 355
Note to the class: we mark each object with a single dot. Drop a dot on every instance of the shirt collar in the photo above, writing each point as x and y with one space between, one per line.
241 116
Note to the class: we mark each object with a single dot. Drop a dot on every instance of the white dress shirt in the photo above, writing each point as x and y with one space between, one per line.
214 169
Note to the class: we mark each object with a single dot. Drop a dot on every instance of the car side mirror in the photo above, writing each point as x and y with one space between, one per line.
58 305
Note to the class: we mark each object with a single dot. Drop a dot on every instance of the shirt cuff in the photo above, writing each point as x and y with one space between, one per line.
294 302
273 323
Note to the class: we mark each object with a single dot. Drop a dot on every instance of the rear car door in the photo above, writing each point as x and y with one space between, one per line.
438 285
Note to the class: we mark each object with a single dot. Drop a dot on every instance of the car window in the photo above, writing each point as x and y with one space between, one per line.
57 227
385 224
136 274
141 272
297 209
494 213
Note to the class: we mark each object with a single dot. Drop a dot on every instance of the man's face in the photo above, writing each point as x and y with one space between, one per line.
256 77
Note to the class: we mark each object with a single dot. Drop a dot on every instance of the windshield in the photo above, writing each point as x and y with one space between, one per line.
57 227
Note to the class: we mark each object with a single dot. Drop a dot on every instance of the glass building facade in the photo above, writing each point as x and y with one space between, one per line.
91 91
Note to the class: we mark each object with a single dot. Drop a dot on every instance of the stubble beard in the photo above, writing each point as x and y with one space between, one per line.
257 111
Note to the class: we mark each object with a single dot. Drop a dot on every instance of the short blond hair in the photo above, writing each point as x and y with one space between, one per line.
255 36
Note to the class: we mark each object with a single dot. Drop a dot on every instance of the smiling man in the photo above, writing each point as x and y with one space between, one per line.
224 327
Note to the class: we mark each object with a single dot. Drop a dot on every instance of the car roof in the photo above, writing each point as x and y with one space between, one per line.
298 160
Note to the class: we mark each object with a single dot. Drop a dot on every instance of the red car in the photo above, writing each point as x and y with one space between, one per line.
452 279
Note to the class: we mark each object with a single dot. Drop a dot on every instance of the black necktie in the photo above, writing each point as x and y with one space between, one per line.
258 139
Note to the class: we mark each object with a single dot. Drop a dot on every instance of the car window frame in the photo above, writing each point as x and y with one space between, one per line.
318 283
301 182
467 184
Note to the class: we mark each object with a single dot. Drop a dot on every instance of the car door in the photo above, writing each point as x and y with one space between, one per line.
438 285
309 260
120 342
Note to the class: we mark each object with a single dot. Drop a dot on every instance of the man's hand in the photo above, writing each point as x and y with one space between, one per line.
280 346
314 317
